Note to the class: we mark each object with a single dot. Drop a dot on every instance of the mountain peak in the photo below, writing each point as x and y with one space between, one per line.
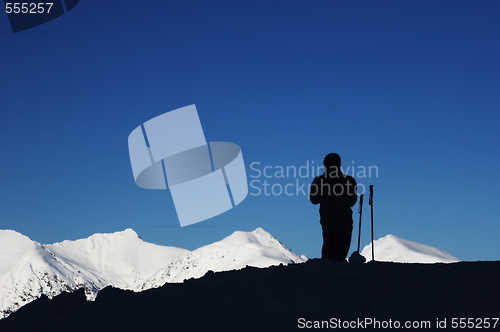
14 248
392 248
260 230
238 250
10 235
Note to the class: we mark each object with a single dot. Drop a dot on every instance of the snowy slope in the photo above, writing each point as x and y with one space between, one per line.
240 249
391 248
123 260
29 269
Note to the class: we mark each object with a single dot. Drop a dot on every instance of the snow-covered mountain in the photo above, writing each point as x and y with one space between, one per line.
123 260
391 248
240 249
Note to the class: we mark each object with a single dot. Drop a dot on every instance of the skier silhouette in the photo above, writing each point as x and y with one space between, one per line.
336 194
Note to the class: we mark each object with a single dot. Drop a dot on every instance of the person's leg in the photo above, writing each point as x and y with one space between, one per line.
341 244
328 242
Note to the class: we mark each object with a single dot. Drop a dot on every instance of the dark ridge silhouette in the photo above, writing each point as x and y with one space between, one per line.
274 298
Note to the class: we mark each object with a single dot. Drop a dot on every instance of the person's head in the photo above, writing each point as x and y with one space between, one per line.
331 159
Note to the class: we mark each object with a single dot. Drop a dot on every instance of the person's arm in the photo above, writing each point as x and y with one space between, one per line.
314 195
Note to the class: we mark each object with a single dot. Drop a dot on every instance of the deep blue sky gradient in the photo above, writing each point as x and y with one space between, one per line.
409 87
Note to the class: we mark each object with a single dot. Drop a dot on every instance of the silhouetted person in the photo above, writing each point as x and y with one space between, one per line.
336 194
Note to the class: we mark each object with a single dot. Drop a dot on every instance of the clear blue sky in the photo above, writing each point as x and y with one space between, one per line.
409 87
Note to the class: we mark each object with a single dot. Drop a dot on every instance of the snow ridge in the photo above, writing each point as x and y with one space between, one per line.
240 249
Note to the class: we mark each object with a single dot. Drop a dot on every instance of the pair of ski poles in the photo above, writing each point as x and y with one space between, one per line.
360 210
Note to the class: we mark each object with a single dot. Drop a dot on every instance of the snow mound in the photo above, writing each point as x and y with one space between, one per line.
391 248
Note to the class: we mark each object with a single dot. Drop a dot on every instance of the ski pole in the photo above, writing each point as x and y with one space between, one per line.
360 210
371 205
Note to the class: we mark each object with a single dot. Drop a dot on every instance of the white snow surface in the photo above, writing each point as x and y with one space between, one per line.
123 260
391 248
240 249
